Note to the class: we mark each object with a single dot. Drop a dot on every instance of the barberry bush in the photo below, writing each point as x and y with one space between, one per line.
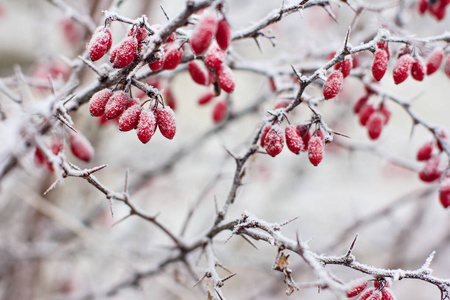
224 149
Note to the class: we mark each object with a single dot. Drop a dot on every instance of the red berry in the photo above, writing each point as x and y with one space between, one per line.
444 192
55 148
214 57
434 60
205 98
447 67
384 46
386 294
220 111
303 130
345 67
385 113
141 34
422 6
203 33
146 126
272 84
281 103
100 43
225 78
365 113
418 69
355 287
379 65
333 85
402 68
274 140
165 119
360 104
223 34
130 118
124 52
198 72
264 132
438 9
81 147
294 141
39 158
430 172
156 65
170 100
116 105
98 101
172 56
315 150
425 151
368 293
375 126
442 135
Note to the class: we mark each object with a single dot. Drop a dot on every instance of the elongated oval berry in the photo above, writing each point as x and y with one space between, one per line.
274 140
422 6
225 78
368 293
198 72
214 57
130 118
100 43
447 66
172 56
264 132
402 68
98 101
365 113
345 67
146 126
170 99
386 294
375 126
379 65
444 192
425 151
294 141
205 98
223 34
116 105
360 104
418 69
156 65
203 33
303 130
438 9
220 111
430 172
355 287
141 34
55 148
443 136
315 150
333 85
81 147
434 60
165 119
385 113
124 53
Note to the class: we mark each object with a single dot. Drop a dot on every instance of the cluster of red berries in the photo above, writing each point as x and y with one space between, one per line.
334 82
79 146
407 64
436 8
374 117
132 115
380 290
298 139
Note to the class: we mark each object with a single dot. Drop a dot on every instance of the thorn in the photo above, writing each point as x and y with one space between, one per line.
257 44
296 73
250 242
125 188
330 13
54 184
65 122
200 280
341 134
346 50
164 12
95 169
228 277
123 219
289 221
303 2
350 250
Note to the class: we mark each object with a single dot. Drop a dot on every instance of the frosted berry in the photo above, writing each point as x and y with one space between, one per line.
165 119
360 104
172 56
198 72
169 98
116 105
303 130
386 294
425 151
367 294
98 101
430 172
384 46
281 103
130 118
355 287
333 85
203 33
141 34
124 52
274 140
225 78
365 113
220 111
379 65
264 132
81 147
444 192
447 67
214 57
100 43
418 69
345 67
375 126
146 126
205 98
385 113
156 66
315 150
434 60
402 68
223 34
294 141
